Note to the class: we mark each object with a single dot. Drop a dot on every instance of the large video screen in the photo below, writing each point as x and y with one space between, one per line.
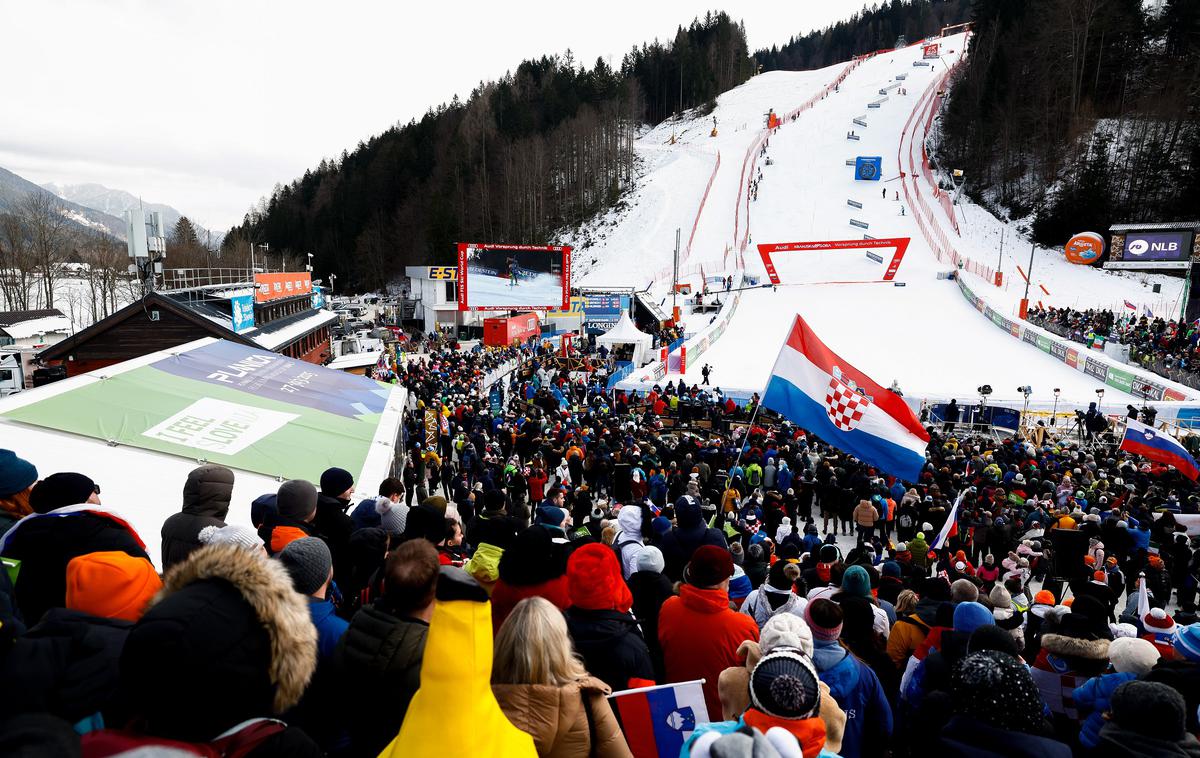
1156 246
506 277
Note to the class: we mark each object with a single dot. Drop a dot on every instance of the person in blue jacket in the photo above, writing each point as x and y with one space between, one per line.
851 682
783 477
1131 657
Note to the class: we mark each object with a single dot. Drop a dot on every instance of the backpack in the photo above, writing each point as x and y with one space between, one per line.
619 549
237 742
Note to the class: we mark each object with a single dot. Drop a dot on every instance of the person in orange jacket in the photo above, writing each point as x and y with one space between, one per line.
698 631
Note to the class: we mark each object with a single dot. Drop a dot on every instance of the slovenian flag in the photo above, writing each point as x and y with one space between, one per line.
1160 447
1130 306
821 393
950 528
1147 312
658 720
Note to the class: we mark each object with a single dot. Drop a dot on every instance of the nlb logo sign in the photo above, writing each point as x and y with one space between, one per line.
1157 246
1141 247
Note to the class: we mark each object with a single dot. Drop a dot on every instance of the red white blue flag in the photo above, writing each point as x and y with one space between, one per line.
1130 306
658 720
1160 447
821 393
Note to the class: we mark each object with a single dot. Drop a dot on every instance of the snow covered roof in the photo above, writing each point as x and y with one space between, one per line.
276 338
15 317
624 332
355 360
45 325
145 486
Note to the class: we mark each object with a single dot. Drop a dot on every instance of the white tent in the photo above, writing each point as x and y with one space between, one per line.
624 334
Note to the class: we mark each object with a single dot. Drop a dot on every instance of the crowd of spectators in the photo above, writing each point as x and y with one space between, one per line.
1166 347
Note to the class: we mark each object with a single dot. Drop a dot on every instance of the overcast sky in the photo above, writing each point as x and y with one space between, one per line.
206 105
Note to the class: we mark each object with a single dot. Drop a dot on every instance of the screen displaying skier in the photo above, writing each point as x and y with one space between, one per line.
502 277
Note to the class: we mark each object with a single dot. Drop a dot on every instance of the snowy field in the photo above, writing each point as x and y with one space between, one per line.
540 290
919 331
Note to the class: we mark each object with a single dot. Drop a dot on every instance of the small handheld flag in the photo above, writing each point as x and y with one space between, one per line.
658 720
950 528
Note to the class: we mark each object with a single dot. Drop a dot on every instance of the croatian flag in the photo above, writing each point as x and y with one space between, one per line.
1158 446
658 720
821 393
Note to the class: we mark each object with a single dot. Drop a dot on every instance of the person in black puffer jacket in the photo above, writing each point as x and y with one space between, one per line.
605 633
689 533
379 657
650 589
206 496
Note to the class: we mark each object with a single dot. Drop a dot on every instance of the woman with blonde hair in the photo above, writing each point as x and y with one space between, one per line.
545 691
906 603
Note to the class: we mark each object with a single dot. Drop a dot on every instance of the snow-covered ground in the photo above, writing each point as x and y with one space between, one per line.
484 290
918 331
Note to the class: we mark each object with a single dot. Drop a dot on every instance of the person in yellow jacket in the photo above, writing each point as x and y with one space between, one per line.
455 697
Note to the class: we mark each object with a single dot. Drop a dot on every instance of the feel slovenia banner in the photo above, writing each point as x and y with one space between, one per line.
239 406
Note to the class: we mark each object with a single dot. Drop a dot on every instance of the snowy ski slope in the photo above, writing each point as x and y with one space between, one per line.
924 334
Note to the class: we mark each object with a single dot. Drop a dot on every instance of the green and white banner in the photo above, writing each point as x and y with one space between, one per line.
239 406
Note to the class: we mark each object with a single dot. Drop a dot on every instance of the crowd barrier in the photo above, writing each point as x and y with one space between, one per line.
1123 377
928 225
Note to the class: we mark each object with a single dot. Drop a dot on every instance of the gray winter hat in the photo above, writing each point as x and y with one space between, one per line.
308 561
231 534
650 558
297 499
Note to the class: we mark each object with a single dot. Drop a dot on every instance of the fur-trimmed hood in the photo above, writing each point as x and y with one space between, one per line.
267 588
1059 644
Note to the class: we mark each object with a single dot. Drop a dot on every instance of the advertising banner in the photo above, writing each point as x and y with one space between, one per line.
929 51
226 403
1084 248
1156 246
242 308
268 287
444 273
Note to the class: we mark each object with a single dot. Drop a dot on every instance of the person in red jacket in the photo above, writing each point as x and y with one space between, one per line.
698 631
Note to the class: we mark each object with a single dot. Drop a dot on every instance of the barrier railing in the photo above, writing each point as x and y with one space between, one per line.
703 199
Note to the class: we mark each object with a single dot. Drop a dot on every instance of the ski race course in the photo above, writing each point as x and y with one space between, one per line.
919 331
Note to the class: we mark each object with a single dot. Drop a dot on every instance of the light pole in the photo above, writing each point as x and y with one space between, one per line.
332 279
1054 413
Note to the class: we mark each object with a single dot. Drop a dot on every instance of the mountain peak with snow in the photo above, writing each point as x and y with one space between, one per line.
116 201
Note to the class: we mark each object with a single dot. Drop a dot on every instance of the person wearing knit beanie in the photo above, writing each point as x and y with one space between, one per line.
786 630
1131 655
297 500
17 477
1044 597
824 618
970 616
650 558
337 482
857 582
996 690
1147 718
232 534
964 591
309 563
1186 642
709 567
62 489
785 693
605 634
111 584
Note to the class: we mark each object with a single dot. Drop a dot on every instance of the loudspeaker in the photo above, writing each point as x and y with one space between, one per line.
1157 288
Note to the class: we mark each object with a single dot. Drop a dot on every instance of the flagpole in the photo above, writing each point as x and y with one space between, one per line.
742 447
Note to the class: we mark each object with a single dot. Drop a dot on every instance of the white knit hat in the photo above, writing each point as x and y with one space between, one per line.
231 534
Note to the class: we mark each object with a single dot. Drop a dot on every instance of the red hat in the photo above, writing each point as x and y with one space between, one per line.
710 565
1157 620
1100 577
594 579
